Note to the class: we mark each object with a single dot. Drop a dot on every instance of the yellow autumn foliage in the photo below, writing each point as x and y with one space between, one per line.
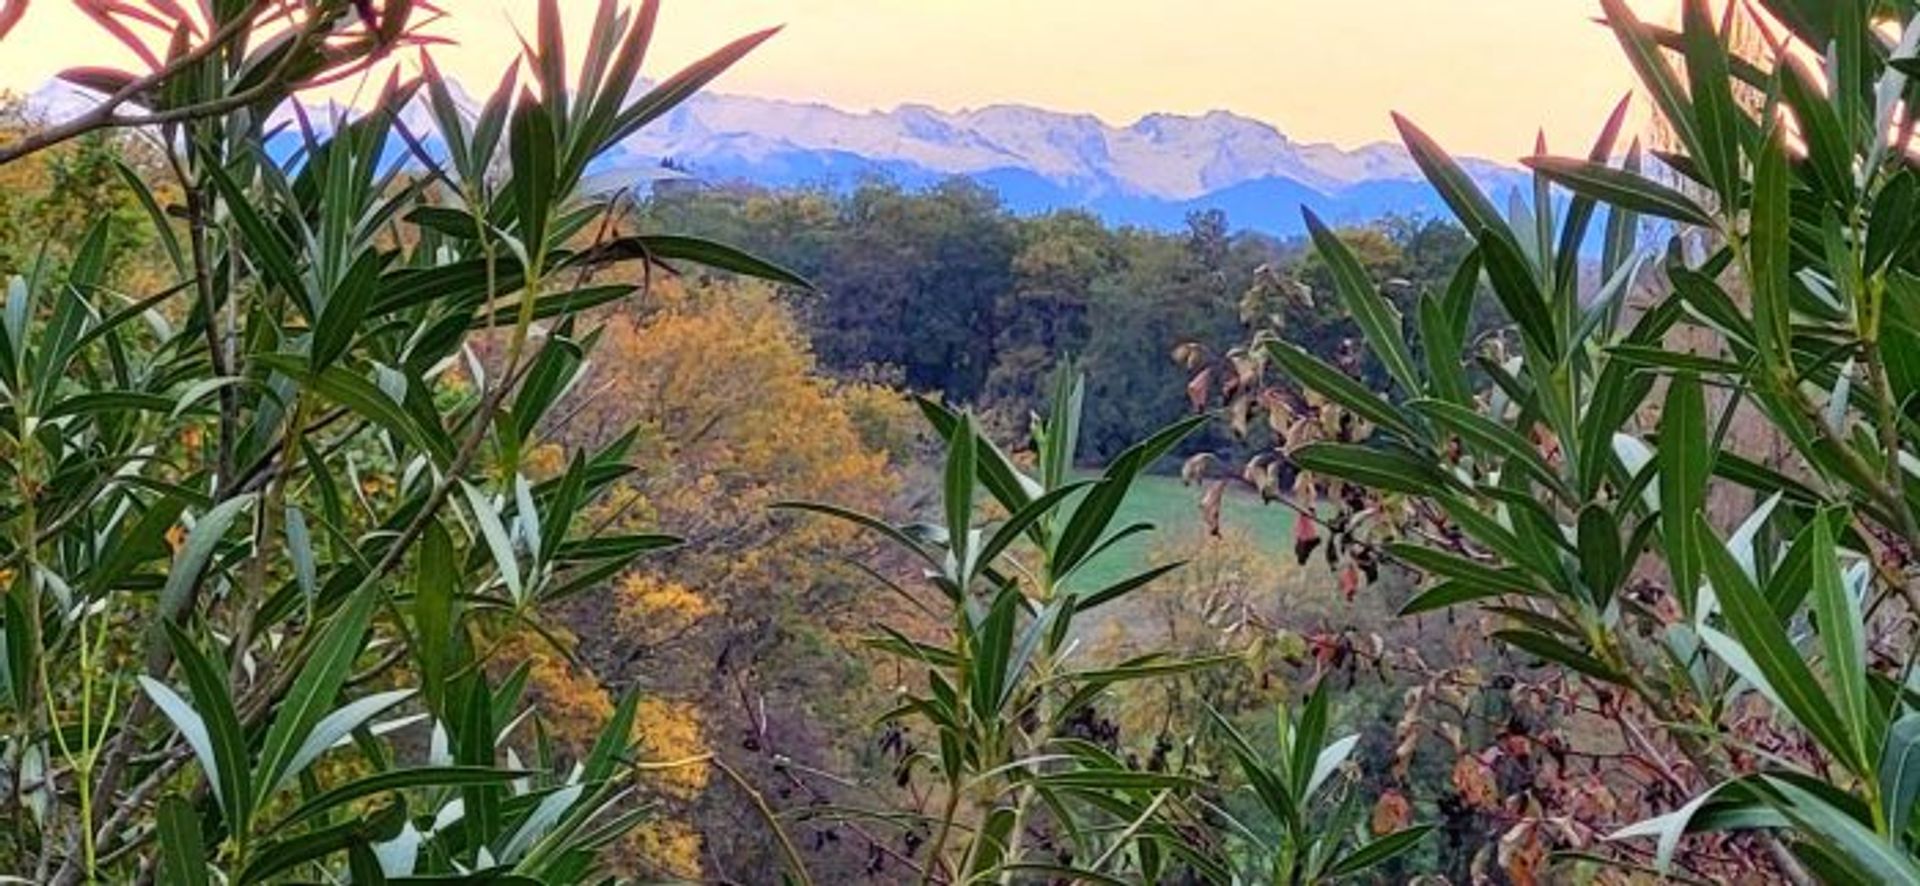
665 847
572 702
671 732
655 609
731 416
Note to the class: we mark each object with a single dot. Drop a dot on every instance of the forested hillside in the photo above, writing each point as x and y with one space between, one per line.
944 291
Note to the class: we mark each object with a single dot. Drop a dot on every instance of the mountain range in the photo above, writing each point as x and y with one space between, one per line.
1151 173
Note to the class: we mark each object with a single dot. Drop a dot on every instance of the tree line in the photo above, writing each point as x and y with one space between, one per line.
945 291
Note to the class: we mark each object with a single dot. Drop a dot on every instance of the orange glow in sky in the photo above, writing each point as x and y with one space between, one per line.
1481 75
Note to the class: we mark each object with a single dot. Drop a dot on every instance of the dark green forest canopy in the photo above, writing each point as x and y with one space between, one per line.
945 290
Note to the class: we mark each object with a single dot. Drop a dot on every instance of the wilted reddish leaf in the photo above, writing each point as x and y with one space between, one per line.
1474 781
1547 444
1200 388
1239 412
1403 754
1246 370
1194 469
1592 800
1210 505
10 15
1391 812
1263 474
1306 537
1279 411
1523 854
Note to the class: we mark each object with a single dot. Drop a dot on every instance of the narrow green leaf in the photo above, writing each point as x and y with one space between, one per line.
1394 470
550 57
313 691
1559 653
265 246
1461 569
1669 828
1008 486
1710 86
959 489
1778 667
1265 782
683 84
1331 758
1080 538
1146 667
1490 436
435 617
1441 350
1673 362
1603 563
196 553
232 779
1064 409
991 650
1769 259
1469 205
1573 233
1379 851
1376 317
300 551
349 389
474 741
1899 772
1126 586
396 779
1622 189
1686 461
1312 373
1658 77
162 227
1518 290
1890 227
286 853
1020 521
1866 855
532 148
334 728
142 541
990 845
673 247
866 521
614 740
1308 736
1842 637
345 311
494 534
183 855
1829 150
1448 594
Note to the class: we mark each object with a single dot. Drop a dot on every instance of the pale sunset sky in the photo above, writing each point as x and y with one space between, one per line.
1481 75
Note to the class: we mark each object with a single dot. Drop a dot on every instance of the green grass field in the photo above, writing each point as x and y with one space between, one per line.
1174 510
